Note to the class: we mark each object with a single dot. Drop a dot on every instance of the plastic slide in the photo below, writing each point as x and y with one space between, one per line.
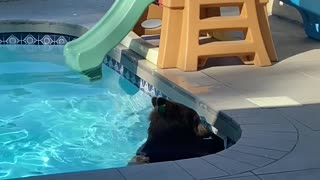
88 51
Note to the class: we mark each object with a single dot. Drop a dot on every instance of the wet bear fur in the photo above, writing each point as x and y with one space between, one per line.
175 132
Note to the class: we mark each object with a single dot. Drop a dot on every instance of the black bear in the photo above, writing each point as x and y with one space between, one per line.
176 132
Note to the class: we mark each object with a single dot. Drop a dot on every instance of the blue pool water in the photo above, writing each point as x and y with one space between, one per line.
53 120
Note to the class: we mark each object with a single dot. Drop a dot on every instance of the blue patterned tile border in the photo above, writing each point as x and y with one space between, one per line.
133 78
35 38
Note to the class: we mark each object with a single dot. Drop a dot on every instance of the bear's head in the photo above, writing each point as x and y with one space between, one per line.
176 121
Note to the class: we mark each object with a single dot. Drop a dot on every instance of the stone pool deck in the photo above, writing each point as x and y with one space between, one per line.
277 107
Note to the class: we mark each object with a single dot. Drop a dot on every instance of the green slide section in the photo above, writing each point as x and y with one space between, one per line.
88 51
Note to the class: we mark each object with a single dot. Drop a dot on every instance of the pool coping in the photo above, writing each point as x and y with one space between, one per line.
223 164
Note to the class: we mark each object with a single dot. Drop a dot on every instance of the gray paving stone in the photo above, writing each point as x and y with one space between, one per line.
283 127
241 178
312 174
228 74
189 80
267 153
156 171
230 104
228 165
204 80
256 134
309 115
308 67
223 98
197 77
246 174
246 158
267 82
313 73
257 82
305 155
313 97
269 117
274 143
92 175
219 94
274 101
252 112
200 169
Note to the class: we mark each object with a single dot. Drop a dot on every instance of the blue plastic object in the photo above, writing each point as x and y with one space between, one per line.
310 12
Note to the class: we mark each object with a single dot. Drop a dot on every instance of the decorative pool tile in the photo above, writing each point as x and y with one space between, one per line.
133 78
12 39
61 40
35 38
47 40
29 39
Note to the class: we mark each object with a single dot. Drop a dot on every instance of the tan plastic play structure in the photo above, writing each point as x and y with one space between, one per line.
185 22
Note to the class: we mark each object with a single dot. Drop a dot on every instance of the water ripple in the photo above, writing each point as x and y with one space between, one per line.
63 124
9 137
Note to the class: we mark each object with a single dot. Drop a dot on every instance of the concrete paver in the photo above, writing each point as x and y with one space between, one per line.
267 153
246 174
308 115
305 155
240 178
246 158
200 169
274 143
256 134
274 118
228 165
279 127
309 174
159 171
253 113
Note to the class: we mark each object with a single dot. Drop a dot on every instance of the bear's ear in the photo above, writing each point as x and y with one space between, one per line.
158 101
161 101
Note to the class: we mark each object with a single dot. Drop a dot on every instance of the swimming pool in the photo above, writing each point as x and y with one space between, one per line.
53 120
